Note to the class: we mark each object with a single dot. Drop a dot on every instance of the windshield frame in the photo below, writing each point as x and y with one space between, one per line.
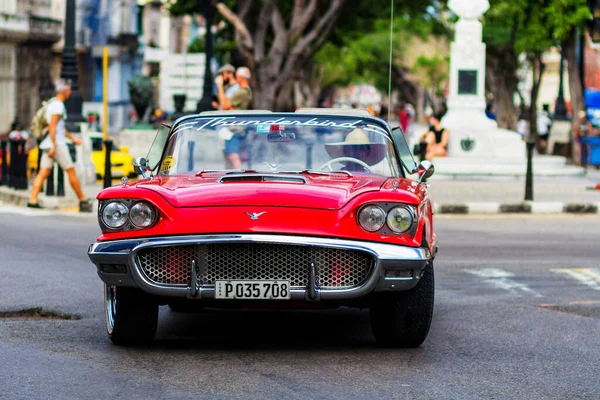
397 164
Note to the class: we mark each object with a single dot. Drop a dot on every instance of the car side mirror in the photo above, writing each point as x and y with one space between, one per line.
425 171
140 165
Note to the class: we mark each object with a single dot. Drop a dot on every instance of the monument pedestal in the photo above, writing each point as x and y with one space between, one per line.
473 135
477 147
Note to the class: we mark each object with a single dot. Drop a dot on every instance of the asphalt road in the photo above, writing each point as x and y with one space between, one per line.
517 316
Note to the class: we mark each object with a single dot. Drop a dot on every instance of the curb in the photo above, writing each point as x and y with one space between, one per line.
518 208
20 198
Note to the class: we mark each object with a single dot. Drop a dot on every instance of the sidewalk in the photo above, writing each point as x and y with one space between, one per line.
505 195
68 203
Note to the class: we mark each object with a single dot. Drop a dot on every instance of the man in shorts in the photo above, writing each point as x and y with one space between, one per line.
54 148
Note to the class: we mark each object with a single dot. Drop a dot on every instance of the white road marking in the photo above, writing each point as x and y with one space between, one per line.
502 279
587 276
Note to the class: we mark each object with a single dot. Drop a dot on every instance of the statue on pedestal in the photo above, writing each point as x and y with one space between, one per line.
141 92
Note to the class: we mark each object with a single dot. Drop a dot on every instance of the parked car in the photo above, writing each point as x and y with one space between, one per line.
121 160
253 209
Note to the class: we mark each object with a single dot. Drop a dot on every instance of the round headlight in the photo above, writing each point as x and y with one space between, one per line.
114 214
141 215
399 219
371 218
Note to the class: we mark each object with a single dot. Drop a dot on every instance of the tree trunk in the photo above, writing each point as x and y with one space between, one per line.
277 51
501 77
285 97
575 88
264 91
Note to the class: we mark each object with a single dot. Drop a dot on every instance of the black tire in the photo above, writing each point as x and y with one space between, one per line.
131 315
402 319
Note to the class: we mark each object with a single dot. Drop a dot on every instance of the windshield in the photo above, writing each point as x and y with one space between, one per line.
276 143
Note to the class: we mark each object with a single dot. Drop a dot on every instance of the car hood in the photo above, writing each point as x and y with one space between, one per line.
318 192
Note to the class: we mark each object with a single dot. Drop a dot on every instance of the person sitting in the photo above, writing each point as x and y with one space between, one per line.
436 138
358 146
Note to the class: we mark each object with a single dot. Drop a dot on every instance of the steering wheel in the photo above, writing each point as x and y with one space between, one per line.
328 164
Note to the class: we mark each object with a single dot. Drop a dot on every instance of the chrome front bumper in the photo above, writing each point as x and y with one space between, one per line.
395 267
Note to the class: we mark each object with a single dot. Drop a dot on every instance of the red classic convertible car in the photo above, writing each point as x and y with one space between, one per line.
313 209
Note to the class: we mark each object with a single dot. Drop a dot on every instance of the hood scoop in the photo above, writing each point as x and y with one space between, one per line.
279 178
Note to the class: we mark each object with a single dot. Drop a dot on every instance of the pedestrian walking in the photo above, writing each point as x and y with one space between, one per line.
18 133
583 129
54 148
544 122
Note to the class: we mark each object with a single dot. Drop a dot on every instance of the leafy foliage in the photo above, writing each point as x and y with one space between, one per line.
364 56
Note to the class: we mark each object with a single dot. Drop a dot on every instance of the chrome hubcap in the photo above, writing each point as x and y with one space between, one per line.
110 305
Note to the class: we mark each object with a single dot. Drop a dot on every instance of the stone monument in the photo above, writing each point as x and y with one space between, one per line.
476 145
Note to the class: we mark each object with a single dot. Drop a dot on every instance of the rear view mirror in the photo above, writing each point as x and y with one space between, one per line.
425 171
281 136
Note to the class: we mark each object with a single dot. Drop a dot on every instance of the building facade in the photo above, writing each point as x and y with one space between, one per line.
28 30
111 24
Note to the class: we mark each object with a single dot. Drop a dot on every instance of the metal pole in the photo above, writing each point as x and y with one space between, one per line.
107 142
60 182
50 183
19 164
69 71
105 93
208 10
191 145
529 175
4 177
107 170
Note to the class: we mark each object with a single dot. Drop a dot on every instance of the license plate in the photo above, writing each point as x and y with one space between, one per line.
259 290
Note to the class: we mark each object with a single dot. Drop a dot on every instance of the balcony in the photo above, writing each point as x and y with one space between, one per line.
14 26
30 20
44 28
38 7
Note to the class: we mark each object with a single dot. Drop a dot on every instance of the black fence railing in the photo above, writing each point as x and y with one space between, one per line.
15 171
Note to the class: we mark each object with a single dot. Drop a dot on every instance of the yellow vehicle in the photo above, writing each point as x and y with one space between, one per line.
121 160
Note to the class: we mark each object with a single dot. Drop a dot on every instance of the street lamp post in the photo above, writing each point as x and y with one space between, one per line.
74 103
208 11
69 71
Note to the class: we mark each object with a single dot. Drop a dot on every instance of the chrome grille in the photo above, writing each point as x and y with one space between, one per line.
172 265
337 268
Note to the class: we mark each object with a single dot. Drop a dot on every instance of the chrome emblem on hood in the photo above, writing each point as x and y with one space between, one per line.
254 216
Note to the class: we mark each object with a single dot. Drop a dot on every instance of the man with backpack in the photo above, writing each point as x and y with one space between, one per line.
49 125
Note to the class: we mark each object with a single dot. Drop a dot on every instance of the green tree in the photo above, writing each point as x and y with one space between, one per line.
529 27
278 39
364 55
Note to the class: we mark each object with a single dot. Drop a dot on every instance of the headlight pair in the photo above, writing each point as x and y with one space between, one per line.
116 214
399 219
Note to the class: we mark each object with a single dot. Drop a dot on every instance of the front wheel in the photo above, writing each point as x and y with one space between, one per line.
131 315
403 319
